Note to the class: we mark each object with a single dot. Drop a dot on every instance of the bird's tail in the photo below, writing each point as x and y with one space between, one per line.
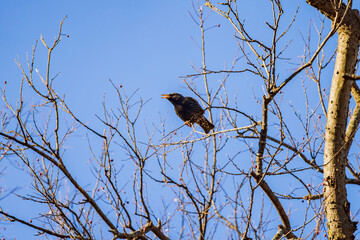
205 124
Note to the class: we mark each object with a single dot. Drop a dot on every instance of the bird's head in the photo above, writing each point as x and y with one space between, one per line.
174 98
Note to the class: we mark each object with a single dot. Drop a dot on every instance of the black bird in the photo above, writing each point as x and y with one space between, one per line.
189 110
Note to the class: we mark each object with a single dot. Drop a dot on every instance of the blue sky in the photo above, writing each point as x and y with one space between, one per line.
144 45
137 46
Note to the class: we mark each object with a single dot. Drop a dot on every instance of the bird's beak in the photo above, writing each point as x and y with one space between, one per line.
166 96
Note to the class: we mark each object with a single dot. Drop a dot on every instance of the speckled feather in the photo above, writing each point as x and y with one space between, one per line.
189 110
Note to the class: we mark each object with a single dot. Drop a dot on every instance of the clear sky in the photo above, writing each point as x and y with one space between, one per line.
144 45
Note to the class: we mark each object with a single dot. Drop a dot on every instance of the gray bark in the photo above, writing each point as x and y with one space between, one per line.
337 208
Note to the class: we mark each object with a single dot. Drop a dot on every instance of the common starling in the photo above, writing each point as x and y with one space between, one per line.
189 110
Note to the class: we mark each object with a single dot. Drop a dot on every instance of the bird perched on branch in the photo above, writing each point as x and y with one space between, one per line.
189 110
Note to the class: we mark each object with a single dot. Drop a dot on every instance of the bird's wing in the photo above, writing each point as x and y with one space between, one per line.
195 106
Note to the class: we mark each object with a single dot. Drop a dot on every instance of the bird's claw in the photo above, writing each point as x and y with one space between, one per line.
188 123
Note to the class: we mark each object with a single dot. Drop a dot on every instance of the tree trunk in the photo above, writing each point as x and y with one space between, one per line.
337 208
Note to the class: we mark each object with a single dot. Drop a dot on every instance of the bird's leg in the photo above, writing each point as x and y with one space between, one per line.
188 123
